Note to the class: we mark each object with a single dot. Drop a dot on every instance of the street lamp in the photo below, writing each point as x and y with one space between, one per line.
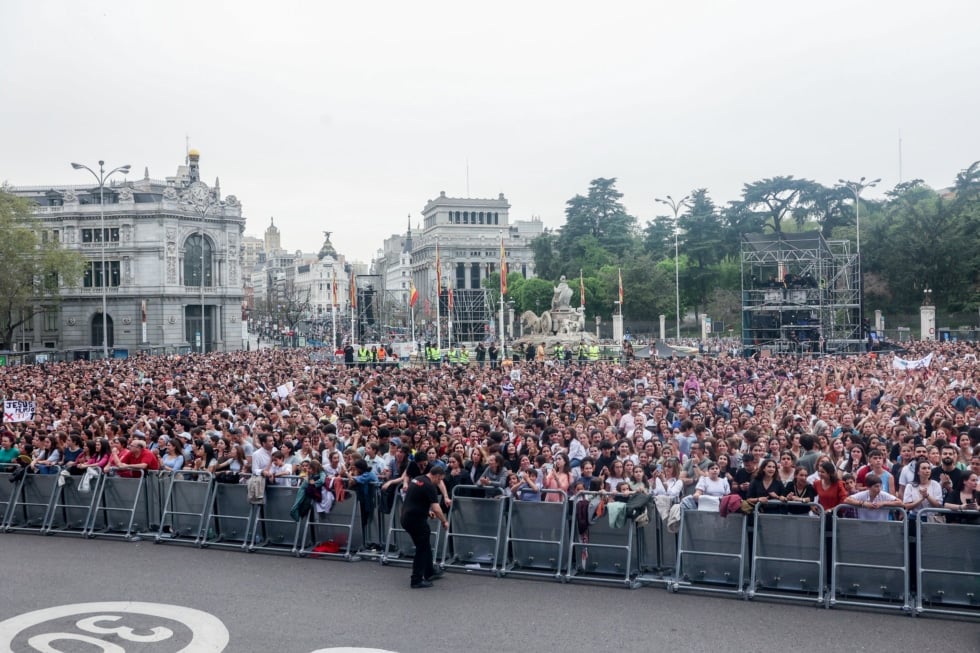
101 178
676 207
857 187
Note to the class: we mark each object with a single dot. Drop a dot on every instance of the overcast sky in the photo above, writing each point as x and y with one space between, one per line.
350 116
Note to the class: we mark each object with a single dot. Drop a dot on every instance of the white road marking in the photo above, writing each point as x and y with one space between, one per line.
208 633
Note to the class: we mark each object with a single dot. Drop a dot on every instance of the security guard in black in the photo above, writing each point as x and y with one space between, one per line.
421 501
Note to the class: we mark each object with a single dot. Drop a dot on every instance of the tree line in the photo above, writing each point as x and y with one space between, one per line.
914 238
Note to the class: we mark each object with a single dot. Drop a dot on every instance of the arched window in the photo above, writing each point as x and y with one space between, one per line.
198 256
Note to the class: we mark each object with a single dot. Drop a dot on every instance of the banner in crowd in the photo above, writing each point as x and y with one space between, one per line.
19 411
918 364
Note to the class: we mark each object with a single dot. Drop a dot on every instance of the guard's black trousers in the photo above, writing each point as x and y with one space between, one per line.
418 530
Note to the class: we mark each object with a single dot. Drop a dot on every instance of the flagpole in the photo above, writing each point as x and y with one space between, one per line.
438 292
353 307
449 319
503 289
333 322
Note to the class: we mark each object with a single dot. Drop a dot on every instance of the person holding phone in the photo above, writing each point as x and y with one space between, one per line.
965 501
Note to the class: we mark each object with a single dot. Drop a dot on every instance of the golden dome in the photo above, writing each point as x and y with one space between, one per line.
193 153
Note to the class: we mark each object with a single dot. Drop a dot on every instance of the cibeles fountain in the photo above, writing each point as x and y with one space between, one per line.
561 324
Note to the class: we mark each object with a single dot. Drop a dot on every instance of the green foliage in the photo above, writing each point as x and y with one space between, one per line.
34 268
913 239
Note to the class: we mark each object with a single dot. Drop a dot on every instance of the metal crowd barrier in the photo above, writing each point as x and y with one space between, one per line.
712 552
338 531
122 508
274 530
788 556
601 554
476 528
374 527
31 503
229 518
537 537
72 510
948 564
185 507
8 493
870 564
656 549
398 546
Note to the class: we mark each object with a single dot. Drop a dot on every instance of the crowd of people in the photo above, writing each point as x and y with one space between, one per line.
784 431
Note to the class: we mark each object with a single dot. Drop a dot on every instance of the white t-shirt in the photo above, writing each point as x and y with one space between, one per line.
716 488
913 493
873 514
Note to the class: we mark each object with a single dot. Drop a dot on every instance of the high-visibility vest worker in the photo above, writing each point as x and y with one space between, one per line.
594 352
464 355
363 354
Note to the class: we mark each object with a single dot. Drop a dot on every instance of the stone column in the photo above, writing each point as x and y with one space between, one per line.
663 326
879 322
927 321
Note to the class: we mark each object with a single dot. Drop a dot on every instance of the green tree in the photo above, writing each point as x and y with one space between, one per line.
658 237
770 202
701 234
535 295
601 215
546 262
35 268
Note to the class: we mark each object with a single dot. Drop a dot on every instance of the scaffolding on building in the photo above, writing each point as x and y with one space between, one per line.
471 316
800 294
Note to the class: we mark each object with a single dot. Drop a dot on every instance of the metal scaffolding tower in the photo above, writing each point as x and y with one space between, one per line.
800 294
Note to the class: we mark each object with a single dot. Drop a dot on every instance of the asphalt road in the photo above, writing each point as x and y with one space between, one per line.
166 598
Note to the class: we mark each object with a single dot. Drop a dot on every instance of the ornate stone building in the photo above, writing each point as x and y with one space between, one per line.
172 276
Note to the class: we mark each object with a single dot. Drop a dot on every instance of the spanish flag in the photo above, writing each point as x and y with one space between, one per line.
620 288
353 292
335 303
413 293
503 268
450 301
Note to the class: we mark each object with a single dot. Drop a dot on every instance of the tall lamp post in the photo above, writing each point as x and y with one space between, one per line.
857 187
101 178
676 206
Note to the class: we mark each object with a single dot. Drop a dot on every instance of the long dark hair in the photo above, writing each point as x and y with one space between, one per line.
831 470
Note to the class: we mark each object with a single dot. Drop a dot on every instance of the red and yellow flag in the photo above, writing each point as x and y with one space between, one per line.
335 303
413 293
450 300
353 292
503 268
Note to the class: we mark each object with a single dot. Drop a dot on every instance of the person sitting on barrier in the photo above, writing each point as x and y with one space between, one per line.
765 487
871 500
666 481
47 456
799 492
172 459
923 492
829 488
710 484
966 500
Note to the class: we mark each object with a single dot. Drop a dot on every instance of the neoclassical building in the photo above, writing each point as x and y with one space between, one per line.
172 273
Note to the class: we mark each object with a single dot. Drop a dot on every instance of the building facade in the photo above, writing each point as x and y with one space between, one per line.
469 233
166 254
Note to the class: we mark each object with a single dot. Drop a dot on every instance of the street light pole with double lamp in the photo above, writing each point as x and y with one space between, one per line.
676 206
101 178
